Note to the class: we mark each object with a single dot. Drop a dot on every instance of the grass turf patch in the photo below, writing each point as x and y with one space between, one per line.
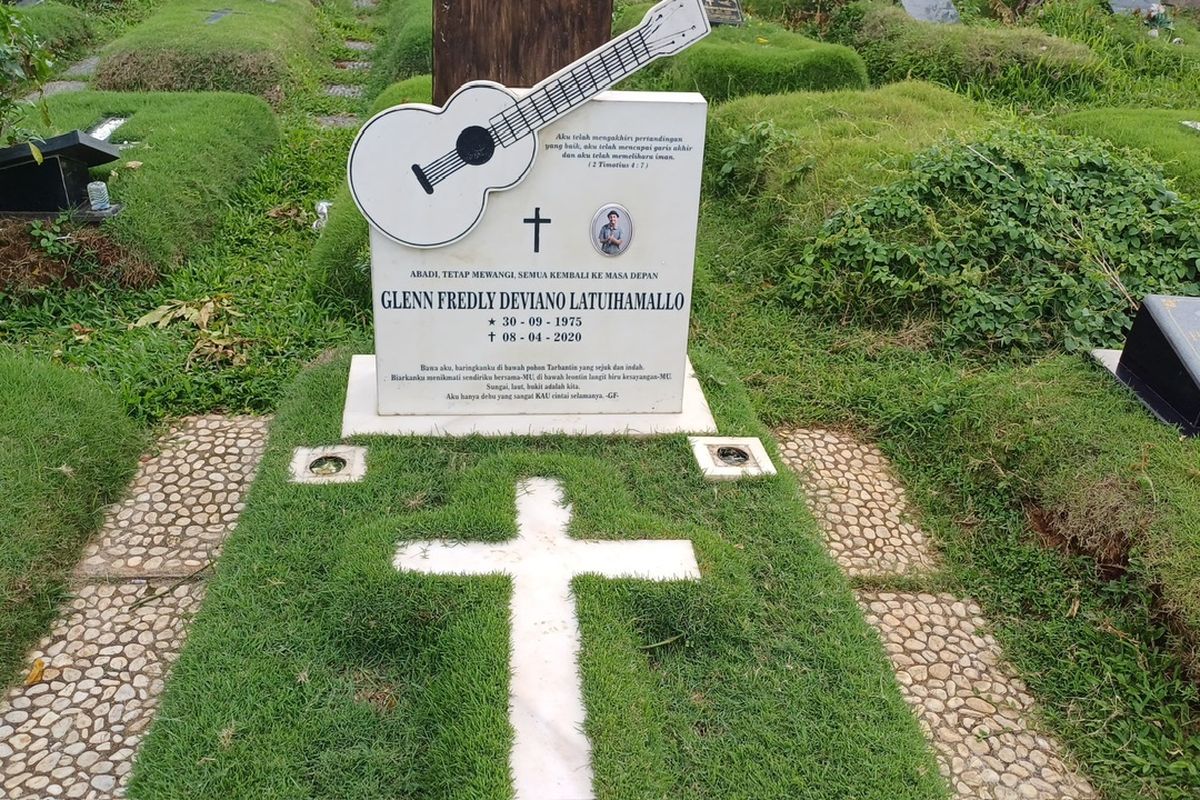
315 669
62 28
254 49
192 148
1159 132
66 449
1012 64
760 58
406 43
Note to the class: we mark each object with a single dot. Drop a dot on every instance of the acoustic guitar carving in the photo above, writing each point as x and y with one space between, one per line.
421 174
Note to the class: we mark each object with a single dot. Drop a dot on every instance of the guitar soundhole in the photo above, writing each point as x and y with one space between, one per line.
475 145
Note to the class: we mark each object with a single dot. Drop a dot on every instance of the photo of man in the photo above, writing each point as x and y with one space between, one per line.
611 230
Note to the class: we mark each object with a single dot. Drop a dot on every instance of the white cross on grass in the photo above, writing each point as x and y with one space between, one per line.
551 756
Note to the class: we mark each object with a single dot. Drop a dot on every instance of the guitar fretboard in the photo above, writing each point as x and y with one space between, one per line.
571 87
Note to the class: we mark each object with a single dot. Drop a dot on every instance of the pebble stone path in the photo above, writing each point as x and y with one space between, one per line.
74 732
977 715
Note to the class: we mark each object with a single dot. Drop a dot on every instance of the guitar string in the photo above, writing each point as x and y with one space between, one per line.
445 166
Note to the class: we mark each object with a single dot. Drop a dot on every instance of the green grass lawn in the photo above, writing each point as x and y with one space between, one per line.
66 449
406 43
256 49
1157 131
192 149
317 670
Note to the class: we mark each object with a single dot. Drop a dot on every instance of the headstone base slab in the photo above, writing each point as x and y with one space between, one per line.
361 417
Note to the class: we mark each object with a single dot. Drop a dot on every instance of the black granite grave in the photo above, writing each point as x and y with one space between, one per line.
60 182
932 10
724 12
1161 359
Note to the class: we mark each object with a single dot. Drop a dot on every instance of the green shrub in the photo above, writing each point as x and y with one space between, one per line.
64 29
796 158
194 150
406 43
1017 64
254 49
66 449
759 58
340 265
1159 132
1023 240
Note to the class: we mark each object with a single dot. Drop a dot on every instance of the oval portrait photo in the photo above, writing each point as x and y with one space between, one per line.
612 230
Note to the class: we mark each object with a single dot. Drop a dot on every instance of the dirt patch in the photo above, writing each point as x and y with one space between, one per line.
86 255
1099 519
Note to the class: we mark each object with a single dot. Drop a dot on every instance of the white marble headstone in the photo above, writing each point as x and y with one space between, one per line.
541 309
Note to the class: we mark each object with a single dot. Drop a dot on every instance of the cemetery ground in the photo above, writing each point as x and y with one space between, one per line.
314 669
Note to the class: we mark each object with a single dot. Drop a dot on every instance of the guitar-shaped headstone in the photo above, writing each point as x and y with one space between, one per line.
421 174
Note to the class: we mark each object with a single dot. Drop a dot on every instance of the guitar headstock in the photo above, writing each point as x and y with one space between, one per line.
673 25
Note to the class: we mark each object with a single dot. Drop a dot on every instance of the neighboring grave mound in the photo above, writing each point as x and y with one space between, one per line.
171 145
792 159
239 46
1013 63
757 58
406 43
62 28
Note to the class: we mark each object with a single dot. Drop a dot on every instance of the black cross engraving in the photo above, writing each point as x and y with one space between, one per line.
537 220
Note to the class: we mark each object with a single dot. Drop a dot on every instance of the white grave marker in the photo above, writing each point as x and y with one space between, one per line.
546 308
551 755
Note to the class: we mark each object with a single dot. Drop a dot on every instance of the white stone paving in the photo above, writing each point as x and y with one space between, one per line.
977 715
74 731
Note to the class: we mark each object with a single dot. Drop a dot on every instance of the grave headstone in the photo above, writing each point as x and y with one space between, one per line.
724 12
1161 359
60 182
942 11
567 308
515 44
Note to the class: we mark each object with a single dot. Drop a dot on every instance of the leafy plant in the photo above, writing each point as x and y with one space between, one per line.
743 161
24 62
1024 240
49 237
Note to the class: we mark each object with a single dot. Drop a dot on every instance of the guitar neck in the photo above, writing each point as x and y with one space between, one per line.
572 86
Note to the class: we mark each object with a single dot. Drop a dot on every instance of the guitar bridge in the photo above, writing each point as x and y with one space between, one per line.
422 179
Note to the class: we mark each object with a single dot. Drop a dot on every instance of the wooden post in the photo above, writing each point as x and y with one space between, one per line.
513 42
